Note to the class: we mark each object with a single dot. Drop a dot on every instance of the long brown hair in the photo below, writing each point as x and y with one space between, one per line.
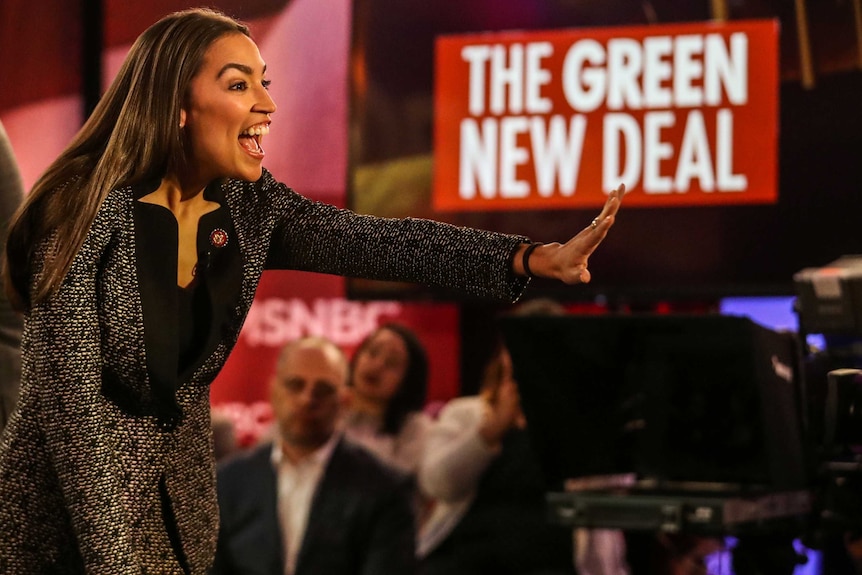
133 134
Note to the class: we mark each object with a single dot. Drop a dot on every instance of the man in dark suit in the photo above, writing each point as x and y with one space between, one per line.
310 502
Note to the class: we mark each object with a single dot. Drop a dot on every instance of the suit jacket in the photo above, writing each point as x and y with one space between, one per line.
360 523
106 431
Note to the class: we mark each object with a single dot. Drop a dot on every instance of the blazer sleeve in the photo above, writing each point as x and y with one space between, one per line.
63 346
314 236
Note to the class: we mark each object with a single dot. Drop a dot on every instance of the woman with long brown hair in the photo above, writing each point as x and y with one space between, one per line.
135 260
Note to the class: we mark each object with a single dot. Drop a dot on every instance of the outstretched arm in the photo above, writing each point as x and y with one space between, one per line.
568 262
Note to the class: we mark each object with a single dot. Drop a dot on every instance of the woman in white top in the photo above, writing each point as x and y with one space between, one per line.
389 381
487 487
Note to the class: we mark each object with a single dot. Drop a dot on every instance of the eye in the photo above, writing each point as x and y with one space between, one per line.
265 84
240 86
293 384
323 390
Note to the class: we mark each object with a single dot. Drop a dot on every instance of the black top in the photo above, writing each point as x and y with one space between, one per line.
193 318
179 320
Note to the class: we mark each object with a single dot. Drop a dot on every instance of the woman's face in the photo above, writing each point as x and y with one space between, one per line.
380 366
228 111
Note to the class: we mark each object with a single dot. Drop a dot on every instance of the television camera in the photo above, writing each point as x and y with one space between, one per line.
707 425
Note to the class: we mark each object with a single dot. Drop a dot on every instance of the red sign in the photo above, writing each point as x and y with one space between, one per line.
293 304
682 114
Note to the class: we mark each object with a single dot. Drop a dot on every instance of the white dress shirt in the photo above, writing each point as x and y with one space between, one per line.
297 484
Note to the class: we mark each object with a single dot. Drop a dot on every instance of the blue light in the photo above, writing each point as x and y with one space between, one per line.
775 312
721 563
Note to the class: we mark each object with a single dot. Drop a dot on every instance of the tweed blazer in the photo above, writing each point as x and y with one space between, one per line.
83 474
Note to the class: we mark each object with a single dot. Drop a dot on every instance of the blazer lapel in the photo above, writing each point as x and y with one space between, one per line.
220 271
267 482
239 267
333 502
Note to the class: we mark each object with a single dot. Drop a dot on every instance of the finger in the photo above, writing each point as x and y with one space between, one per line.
619 192
606 218
608 213
589 239
612 205
597 230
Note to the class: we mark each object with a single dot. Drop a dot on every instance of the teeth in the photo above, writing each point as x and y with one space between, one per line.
259 130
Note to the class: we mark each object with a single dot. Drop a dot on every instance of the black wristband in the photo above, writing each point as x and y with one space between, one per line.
525 259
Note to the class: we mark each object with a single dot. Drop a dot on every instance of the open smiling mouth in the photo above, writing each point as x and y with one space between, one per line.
250 139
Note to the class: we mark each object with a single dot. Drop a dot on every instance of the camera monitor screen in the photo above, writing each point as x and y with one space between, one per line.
679 401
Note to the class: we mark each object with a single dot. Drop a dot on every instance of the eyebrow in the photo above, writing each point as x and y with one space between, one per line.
241 67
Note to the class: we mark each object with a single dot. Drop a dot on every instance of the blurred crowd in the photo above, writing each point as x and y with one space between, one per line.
358 474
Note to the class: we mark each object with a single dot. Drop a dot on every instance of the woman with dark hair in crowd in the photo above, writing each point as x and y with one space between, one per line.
135 259
389 383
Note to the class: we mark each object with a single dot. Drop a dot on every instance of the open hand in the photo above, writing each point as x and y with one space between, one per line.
568 262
